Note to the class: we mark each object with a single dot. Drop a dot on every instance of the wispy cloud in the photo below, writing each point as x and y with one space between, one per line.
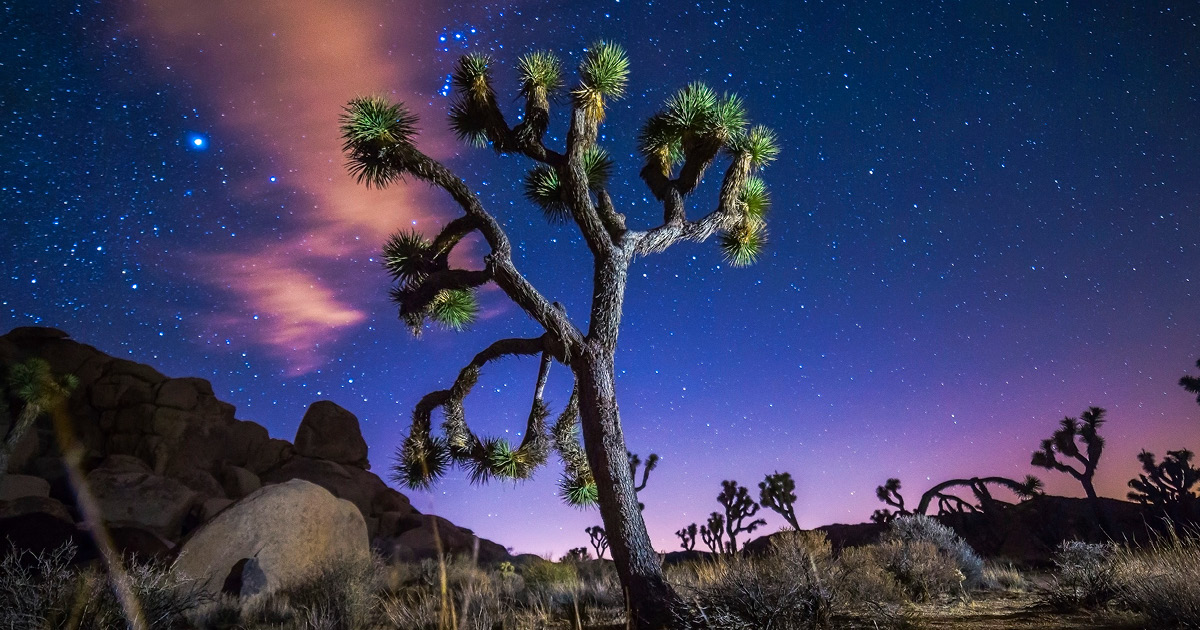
275 75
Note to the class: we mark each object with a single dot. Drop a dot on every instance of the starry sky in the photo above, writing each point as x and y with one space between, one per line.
985 219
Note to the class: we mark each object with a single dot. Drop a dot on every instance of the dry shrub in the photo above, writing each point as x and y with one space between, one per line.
1162 581
920 568
1084 577
783 589
918 528
43 590
1003 577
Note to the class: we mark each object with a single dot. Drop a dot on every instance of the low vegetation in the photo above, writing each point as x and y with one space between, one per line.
919 569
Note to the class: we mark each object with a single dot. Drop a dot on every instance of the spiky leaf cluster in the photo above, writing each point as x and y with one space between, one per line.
33 383
406 257
544 187
377 138
420 460
541 75
578 490
742 245
474 98
454 308
604 74
694 124
759 144
1030 487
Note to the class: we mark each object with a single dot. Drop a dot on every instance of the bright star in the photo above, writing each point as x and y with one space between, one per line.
197 142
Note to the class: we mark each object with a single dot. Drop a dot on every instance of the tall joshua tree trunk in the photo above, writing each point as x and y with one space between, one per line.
649 596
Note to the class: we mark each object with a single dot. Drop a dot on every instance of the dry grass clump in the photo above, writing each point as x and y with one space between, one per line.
1003 577
1162 581
1084 577
44 590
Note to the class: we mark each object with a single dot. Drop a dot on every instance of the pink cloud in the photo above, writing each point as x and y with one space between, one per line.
276 74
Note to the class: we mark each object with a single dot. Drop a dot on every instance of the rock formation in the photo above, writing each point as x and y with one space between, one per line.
162 456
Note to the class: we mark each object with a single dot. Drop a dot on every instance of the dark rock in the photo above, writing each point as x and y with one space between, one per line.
35 504
330 432
128 494
345 482
17 486
239 482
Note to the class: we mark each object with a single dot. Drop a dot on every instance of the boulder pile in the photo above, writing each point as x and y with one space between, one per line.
165 463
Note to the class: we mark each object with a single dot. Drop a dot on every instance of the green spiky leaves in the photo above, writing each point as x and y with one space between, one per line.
541 75
760 144
578 489
755 201
33 382
697 110
544 187
375 136
406 257
472 76
604 74
420 461
743 244
454 308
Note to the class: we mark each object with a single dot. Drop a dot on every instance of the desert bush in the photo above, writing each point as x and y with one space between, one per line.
921 528
1084 576
1162 581
784 588
43 590
922 570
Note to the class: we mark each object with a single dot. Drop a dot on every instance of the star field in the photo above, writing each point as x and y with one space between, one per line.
984 218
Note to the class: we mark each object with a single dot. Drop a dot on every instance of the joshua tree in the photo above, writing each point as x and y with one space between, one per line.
576 555
1192 383
889 493
569 185
34 385
778 492
738 507
713 533
1166 485
634 463
599 540
687 537
1067 442
985 503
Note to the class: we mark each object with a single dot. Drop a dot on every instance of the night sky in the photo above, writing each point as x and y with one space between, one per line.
985 218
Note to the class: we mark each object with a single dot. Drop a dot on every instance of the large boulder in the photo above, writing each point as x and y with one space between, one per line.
128 493
276 536
330 432
351 483
17 486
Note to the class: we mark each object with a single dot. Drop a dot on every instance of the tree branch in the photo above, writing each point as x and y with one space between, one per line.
676 228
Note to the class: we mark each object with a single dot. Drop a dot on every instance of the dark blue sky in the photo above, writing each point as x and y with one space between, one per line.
985 218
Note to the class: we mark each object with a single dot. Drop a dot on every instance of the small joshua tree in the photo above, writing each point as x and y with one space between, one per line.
568 184
687 537
1076 439
713 533
634 463
599 540
889 493
1168 484
577 555
1192 383
778 492
33 384
738 507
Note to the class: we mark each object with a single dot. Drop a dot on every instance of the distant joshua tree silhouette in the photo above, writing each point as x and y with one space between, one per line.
687 537
889 493
948 503
577 555
985 503
1192 383
1168 484
778 492
599 540
1067 441
738 507
33 384
713 533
